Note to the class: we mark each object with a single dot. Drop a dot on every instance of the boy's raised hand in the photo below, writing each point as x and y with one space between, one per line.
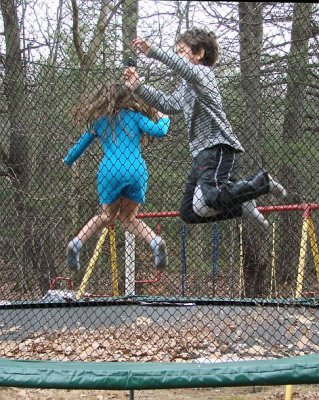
141 45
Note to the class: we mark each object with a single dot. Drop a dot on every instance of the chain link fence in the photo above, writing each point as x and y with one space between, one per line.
232 289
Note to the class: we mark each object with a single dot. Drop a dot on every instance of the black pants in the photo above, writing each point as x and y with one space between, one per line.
212 169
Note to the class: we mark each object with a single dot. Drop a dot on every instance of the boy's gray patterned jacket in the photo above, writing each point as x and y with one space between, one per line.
198 98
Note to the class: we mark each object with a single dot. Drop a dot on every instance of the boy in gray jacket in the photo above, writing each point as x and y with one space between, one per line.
213 191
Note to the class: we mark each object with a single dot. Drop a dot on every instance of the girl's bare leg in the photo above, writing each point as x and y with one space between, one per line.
127 216
95 224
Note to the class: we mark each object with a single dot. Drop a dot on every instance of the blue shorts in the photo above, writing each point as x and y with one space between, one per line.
131 184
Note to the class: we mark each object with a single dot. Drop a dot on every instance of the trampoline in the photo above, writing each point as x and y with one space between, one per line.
236 305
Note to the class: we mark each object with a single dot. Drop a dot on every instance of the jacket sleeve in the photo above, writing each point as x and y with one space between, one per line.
167 104
193 74
79 148
155 129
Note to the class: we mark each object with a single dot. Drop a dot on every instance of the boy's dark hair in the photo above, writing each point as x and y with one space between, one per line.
198 39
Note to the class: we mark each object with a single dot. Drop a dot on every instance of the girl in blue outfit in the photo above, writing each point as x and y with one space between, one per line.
119 120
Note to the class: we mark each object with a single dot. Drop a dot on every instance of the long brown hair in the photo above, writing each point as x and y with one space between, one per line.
108 100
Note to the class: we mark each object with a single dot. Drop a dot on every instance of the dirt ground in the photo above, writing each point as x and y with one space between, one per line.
304 392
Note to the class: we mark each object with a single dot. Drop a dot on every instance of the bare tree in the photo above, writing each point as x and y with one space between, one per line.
297 70
129 27
293 128
182 12
87 58
16 94
251 39
17 162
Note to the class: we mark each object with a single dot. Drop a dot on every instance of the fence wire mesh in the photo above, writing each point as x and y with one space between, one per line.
232 289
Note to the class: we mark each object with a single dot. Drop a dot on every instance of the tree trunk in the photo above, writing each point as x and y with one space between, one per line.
251 34
18 159
129 28
293 129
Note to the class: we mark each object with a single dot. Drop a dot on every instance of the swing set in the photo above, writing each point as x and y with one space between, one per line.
308 231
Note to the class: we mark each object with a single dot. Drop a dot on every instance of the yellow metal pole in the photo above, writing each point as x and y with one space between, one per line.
314 245
288 392
114 262
273 282
241 262
96 254
302 257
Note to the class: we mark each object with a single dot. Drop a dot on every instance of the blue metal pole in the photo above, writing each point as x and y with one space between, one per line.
215 253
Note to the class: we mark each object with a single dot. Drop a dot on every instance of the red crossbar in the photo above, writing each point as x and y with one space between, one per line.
307 207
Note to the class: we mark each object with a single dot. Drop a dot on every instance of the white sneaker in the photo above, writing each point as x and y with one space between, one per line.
250 211
158 246
276 188
73 259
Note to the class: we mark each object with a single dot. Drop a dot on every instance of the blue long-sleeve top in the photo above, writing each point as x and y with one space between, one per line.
121 143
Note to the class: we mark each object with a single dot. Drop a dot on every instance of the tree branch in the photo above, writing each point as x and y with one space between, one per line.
75 31
314 29
98 36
